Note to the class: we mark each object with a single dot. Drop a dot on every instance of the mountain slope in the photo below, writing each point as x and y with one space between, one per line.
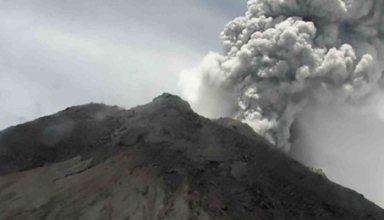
159 161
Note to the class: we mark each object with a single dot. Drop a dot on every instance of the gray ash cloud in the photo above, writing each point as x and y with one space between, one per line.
284 55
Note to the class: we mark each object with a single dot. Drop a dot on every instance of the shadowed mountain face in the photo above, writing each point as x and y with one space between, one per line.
159 161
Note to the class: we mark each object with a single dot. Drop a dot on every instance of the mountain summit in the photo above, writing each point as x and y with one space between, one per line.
159 161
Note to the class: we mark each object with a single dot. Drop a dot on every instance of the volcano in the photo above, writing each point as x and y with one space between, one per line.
160 161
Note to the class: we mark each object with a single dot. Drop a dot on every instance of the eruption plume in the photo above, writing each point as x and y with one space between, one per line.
308 76
282 56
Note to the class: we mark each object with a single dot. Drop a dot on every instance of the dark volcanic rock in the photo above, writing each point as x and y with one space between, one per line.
159 161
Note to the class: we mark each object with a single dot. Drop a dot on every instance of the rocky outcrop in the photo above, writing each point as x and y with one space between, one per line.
159 161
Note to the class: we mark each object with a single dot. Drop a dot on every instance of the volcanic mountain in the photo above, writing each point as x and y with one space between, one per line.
159 161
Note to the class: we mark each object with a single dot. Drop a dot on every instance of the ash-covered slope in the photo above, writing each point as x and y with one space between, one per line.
159 161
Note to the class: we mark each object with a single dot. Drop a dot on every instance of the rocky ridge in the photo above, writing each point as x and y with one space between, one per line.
159 161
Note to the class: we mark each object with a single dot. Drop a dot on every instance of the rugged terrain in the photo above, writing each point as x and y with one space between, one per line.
159 161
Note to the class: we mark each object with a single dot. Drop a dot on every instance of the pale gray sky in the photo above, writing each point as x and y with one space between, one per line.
55 54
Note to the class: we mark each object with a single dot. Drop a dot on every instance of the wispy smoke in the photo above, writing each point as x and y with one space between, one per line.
346 143
283 54
283 59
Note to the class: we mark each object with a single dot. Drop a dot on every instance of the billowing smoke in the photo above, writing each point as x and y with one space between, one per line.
285 56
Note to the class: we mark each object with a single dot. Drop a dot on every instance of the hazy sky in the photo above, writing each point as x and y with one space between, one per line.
55 54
